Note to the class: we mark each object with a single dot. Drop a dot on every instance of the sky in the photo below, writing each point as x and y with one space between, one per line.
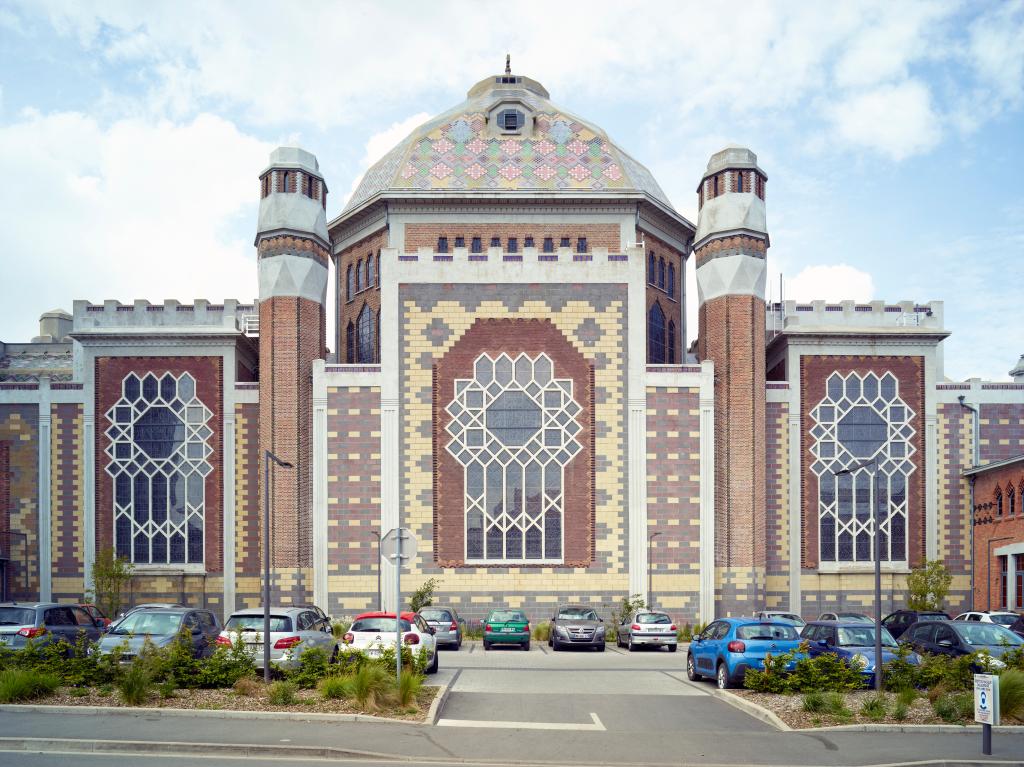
132 134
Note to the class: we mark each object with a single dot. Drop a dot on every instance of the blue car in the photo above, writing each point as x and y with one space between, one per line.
854 642
729 646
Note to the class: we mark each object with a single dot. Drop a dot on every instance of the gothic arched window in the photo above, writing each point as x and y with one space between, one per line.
371 273
671 345
359 275
350 279
661 273
285 179
656 335
652 268
1011 500
671 279
364 331
999 503
350 344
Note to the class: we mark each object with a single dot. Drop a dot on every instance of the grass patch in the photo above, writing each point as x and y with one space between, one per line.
1011 693
906 697
247 687
874 708
408 688
20 684
954 707
814 702
78 692
836 706
134 685
900 711
335 687
282 693
167 689
371 687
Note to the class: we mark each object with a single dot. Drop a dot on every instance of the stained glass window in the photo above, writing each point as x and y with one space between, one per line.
513 429
656 335
364 331
159 446
671 280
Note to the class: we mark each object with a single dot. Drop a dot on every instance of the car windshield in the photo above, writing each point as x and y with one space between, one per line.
990 634
652 618
435 615
931 617
16 616
255 623
766 631
1004 619
378 624
786 617
863 637
853 617
504 616
145 622
576 614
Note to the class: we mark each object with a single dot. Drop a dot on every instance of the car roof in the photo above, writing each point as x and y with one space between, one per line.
852 624
167 610
406 615
34 605
259 610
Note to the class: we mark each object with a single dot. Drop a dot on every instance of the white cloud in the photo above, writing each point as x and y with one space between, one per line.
106 211
824 282
897 120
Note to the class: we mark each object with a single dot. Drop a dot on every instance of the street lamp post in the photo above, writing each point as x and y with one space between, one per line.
988 569
876 530
650 577
267 458
376 534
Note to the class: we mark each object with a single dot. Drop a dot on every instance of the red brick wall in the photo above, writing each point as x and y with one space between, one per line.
349 308
514 336
5 496
208 372
992 530
671 306
814 372
598 235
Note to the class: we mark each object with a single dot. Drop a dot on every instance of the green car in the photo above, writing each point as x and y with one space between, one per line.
506 627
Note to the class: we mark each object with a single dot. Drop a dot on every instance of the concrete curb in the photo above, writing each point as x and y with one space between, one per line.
437 705
974 729
752 709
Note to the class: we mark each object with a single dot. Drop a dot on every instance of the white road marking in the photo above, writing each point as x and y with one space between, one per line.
597 726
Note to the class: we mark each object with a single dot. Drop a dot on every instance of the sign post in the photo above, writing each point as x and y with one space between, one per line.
399 546
986 707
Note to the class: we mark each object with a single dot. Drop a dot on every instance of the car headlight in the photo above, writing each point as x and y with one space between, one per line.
600 630
562 630
860 661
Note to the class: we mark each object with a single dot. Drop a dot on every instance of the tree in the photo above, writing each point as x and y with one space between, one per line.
424 595
110 573
928 585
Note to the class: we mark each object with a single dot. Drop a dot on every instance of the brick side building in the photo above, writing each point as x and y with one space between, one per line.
509 378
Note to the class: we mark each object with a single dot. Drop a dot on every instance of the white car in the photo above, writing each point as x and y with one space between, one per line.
782 617
293 630
370 633
984 616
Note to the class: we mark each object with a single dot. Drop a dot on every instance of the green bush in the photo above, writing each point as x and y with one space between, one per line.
814 702
542 631
22 684
340 628
371 686
335 687
135 684
408 687
874 708
424 595
225 666
899 673
629 605
927 585
282 693
314 665
1011 693
824 673
900 711
954 707
773 678
906 696
167 689
836 706
954 674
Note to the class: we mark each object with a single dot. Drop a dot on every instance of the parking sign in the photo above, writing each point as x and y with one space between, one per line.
986 698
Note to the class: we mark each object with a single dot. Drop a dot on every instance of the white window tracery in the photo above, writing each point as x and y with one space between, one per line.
513 429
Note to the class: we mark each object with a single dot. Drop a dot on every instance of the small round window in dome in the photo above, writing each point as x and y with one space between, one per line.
510 120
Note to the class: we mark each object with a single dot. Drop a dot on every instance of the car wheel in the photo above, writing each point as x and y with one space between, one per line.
600 647
555 646
723 677
673 648
432 668
691 669
526 645
631 646
487 645
618 639
458 643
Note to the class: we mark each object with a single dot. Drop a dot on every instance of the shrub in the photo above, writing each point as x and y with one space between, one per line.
340 628
899 673
928 585
906 696
629 605
874 708
955 706
826 672
225 667
314 665
78 692
23 684
134 685
685 633
335 687
408 687
836 706
1011 693
247 686
773 679
110 574
954 674
542 631
424 595
814 702
167 689
371 686
282 693
900 711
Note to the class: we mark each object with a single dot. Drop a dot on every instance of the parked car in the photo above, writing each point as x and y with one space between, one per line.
901 620
447 625
162 625
576 626
955 638
1018 626
779 615
293 630
507 627
729 646
43 623
370 633
95 613
846 617
647 628
149 606
984 616
854 642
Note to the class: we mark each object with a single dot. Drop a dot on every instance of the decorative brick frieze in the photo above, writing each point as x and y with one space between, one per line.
736 245
290 245
596 235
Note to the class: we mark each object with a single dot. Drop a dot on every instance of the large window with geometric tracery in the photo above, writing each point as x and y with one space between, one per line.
513 429
159 445
862 419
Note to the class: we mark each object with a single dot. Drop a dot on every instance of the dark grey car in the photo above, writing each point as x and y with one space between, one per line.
577 626
43 623
161 625
446 623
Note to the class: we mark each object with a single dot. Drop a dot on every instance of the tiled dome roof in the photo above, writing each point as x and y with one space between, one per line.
463 151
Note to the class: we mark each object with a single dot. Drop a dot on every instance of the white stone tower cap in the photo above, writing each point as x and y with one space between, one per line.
733 156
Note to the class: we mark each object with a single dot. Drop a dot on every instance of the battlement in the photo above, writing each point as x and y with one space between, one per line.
875 316
170 316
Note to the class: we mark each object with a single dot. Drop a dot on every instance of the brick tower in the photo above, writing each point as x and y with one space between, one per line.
293 251
730 248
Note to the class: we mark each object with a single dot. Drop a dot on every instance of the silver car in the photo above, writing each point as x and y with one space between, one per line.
293 630
446 623
647 628
781 616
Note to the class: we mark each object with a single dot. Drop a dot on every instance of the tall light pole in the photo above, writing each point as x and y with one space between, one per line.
376 534
267 458
650 578
876 530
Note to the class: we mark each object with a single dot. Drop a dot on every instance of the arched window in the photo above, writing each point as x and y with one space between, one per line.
364 330
285 178
350 344
359 275
376 335
661 273
366 271
671 347
739 181
371 272
377 261
999 503
671 279
652 268
714 184
656 335
1011 501
350 279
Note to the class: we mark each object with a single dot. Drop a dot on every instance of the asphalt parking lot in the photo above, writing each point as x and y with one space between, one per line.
581 690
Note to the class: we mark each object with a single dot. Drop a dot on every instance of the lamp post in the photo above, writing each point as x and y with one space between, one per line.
876 530
988 569
267 458
650 577
376 534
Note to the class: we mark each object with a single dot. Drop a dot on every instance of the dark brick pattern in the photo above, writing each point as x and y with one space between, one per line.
19 429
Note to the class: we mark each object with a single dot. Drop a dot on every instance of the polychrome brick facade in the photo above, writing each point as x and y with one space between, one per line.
19 426
67 500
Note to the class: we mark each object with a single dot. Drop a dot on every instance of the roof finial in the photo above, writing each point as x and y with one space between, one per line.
508 63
